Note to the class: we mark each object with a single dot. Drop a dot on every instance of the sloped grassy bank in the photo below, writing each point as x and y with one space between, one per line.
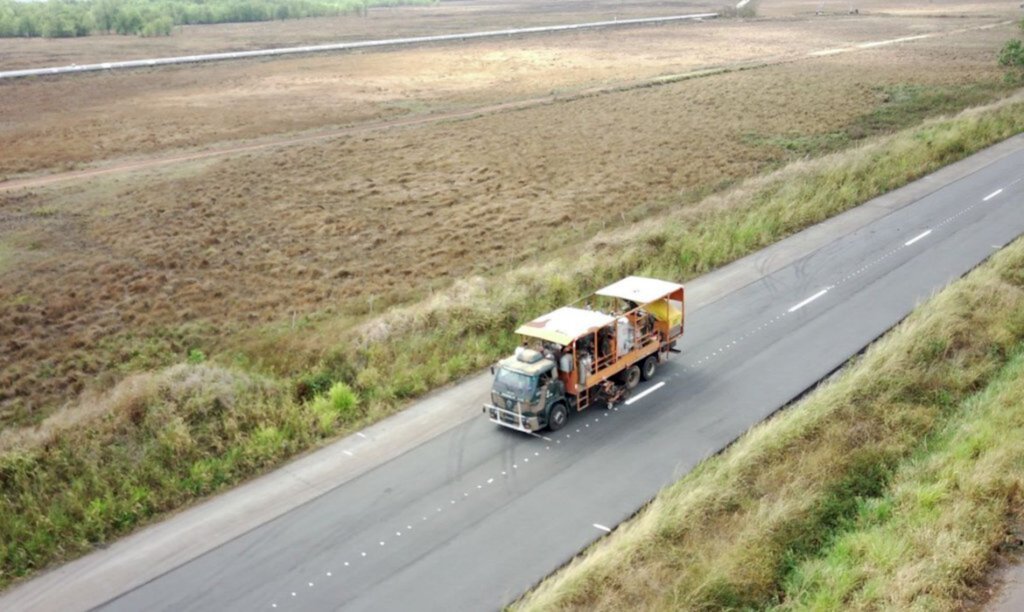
159 441
890 487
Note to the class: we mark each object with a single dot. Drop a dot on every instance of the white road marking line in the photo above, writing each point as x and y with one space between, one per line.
382 543
992 195
490 480
311 584
630 401
328 574
808 300
997 246
346 564
349 453
602 528
362 435
293 593
916 238
364 554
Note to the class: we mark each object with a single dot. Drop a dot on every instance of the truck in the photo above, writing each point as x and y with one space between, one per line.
590 353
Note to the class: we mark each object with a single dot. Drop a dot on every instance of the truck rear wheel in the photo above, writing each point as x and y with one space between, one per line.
649 367
557 416
632 377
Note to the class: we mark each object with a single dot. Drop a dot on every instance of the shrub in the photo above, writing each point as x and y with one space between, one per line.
1012 57
342 399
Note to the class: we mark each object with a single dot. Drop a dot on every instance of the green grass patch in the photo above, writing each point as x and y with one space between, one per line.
159 442
931 536
887 488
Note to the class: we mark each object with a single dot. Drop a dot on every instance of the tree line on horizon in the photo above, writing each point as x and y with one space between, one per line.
71 18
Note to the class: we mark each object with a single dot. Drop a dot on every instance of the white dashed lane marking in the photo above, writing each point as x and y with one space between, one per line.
630 401
809 300
992 195
917 237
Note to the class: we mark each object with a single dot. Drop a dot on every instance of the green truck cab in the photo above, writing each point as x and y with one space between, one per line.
527 394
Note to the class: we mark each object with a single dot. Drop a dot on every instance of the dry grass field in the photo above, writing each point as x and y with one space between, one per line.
130 271
65 123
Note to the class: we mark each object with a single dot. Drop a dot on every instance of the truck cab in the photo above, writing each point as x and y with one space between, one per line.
526 388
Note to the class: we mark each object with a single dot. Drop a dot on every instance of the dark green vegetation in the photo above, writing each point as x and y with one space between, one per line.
68 18
894 486
1012 57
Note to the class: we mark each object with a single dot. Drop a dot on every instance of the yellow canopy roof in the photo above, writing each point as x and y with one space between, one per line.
639 289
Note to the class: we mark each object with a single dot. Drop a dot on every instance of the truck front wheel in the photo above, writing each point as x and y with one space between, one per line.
557 416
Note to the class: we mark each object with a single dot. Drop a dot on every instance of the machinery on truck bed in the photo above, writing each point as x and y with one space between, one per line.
577 357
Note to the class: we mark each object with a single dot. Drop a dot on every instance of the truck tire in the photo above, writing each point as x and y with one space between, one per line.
632 377
649 367
557 416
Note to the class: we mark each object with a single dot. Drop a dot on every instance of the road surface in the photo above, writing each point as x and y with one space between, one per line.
471 517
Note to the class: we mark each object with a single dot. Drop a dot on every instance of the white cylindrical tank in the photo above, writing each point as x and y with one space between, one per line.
585 362
624 334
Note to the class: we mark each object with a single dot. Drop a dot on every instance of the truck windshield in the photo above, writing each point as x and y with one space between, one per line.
514 383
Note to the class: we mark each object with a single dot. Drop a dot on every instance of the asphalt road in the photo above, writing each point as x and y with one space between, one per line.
475 516
437 508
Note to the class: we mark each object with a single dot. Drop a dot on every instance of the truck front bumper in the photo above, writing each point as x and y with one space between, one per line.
512 419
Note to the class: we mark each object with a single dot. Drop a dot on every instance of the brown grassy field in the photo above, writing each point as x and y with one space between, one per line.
51 124
129 272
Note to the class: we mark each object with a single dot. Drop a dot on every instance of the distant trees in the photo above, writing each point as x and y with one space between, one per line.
67 18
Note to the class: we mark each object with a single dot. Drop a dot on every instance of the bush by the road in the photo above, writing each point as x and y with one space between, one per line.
1012 57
